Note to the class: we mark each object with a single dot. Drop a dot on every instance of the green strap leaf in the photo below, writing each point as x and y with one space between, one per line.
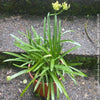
56 80
61 75
67 32
52 64
75 64
34 32
33 67
15 59
58 94
48 94
44 30
55 34
23 34
45 70
78 71
38 67
73 78
43 85
49 31
60 85
68 51
64 91
13 54
32 81
70 41
47 78
25 63
20 66
45 50
46 56
17 74
52 90
37 84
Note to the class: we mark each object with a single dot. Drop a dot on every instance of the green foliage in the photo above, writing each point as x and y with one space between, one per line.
45 54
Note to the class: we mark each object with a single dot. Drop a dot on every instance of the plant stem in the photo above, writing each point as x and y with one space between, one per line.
56 13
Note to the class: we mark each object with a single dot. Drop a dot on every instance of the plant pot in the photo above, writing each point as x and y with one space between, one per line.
40 88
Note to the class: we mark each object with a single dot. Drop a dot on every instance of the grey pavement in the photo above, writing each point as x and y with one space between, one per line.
13 24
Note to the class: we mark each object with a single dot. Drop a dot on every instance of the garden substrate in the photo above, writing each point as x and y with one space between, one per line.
85 90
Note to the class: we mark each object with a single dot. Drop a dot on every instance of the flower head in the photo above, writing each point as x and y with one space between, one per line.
65 6
56 6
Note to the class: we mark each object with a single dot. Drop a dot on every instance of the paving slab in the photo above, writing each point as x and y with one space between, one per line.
85 90
13 24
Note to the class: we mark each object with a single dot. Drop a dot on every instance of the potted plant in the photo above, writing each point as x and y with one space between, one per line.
43 57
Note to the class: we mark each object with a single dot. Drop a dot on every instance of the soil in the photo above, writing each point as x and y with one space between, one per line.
85 90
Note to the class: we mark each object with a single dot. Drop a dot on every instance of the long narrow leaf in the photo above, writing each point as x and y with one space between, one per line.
33 67
46 56
73 78
34 32
68 51
58 94
58 48
59 34
44 30
70 41
28 62
13 54
61 75
37 84
49 31
56 80
59 85
47 78
23 34
81 74
52 64
17 74
43 85
32 81
55 34
20 66
67 32
75 64
45 50
64 90
43 72
25 46
48 94
15 59
52 90
38 67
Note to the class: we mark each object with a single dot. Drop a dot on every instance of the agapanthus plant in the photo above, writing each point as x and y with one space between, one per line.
45 56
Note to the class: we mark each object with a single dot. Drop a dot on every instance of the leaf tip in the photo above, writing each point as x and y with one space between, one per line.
8 78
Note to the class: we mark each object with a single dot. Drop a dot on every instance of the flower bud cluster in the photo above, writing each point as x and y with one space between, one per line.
57 6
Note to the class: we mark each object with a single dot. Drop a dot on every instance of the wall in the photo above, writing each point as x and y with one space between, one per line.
78 7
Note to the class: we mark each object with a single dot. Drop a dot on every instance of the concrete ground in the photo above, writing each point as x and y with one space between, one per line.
13 24
85 90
